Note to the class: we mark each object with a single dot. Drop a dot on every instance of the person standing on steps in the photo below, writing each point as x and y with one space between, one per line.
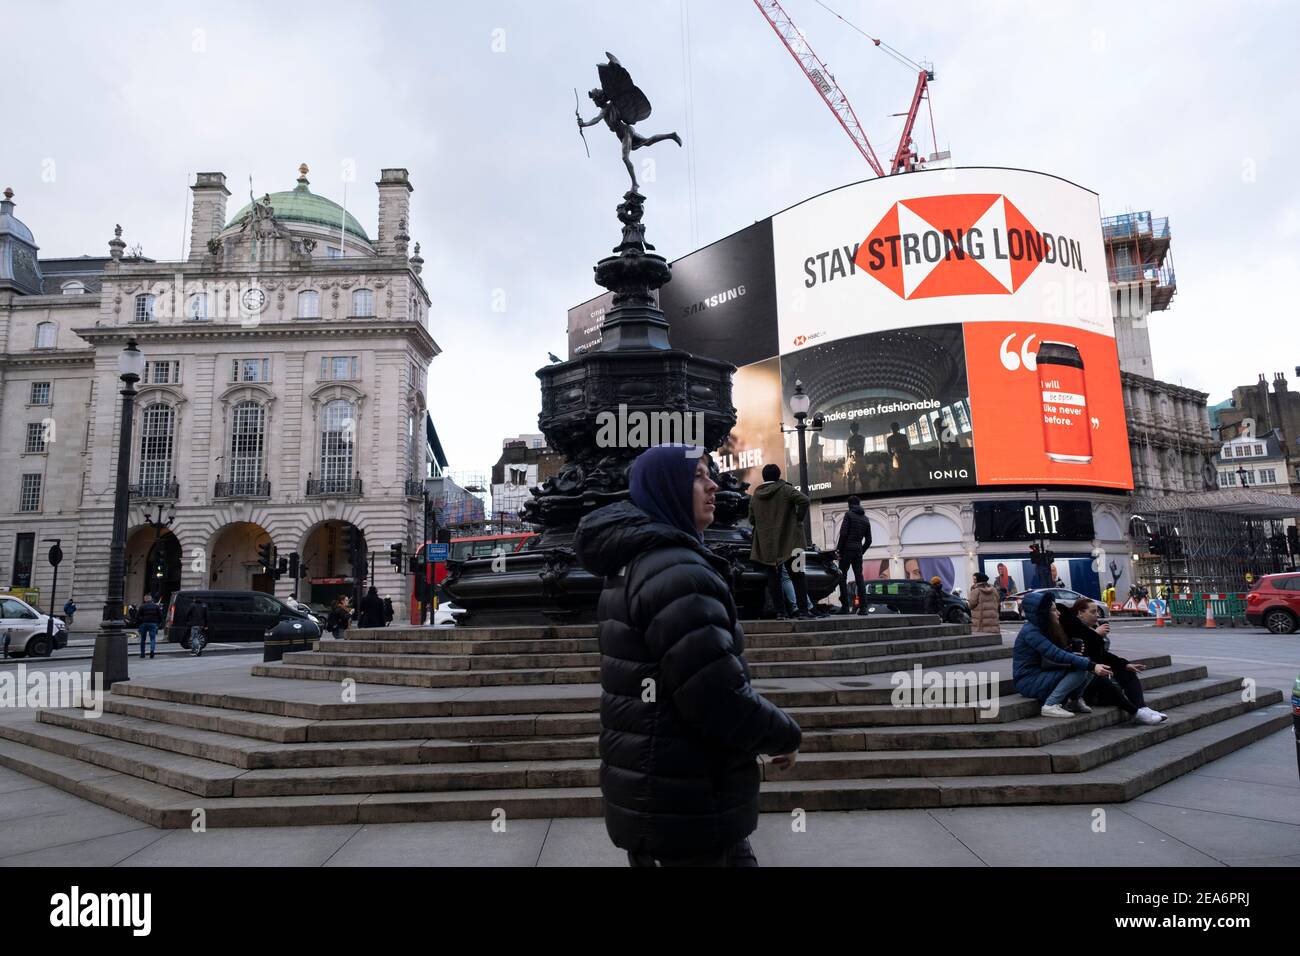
682 728
984 606
388 611
776 511
854 540
149 617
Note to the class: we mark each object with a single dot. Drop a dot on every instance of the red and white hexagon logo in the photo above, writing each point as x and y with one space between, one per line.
973 244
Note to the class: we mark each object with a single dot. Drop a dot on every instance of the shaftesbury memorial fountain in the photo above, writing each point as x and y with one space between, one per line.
633 375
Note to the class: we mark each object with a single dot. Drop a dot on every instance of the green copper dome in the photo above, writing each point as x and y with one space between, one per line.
302 205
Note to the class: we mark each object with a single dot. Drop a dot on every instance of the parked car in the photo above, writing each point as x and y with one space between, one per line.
1010 606
447 614
909 597
26 628
1274 603
232 615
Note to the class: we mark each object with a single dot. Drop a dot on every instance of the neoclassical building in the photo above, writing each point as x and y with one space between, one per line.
283 399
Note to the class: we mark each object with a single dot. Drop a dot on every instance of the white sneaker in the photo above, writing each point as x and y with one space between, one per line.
1145 715
1054 710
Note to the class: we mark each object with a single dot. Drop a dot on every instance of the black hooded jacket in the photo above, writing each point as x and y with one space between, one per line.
681 725
855 532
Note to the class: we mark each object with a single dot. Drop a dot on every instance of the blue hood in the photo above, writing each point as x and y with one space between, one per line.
1036 608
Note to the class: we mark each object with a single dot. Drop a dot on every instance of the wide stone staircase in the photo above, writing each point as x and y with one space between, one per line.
415 724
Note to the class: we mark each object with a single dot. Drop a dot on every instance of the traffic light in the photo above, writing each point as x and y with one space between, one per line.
281 569
295 566
266 555
349 541
395 555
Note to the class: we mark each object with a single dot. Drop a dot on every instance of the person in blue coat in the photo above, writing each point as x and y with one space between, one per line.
1041 667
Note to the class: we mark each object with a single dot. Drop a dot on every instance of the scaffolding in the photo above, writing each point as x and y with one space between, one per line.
1184 546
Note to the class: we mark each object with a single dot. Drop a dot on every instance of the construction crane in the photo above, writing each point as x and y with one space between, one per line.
904 158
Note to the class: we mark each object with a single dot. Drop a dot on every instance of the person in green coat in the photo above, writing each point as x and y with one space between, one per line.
776 512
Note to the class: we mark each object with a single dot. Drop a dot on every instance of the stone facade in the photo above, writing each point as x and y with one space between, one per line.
285 395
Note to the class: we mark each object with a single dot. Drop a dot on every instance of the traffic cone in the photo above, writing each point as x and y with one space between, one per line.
1160 620
1209 614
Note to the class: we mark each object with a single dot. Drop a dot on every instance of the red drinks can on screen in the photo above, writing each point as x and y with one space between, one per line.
1067 429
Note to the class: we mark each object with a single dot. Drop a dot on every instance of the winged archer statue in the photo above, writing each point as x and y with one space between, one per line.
622 104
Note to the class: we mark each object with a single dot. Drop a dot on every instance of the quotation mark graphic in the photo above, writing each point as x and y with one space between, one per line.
1011 361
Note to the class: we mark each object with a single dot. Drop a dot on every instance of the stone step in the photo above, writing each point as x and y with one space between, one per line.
963 653
328 656
879 648
283 708
150 753
455 641
204 778
579 631
427 678
818 639
1121 779
469 633
224 736
961 649
586 645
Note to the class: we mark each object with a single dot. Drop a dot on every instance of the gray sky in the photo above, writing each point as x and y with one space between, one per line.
1186 109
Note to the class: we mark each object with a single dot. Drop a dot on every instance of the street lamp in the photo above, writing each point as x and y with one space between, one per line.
110 660
800 403
159 526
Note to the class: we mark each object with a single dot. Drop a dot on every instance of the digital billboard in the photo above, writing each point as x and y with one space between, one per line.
952 326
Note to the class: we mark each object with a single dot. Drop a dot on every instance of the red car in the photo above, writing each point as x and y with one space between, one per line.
1275 603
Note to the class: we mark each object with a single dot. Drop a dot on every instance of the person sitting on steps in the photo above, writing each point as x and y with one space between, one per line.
1041 668
1081 623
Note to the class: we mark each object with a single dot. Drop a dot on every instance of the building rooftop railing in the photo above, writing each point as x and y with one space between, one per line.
1133 225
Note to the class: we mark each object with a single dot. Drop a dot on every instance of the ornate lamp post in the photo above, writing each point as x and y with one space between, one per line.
110 644
159 526
800 403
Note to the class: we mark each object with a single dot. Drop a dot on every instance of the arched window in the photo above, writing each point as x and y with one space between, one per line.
337 439
45 335
196 309
74 288
144 308
247 441
309 305
157 428
411 451
363 303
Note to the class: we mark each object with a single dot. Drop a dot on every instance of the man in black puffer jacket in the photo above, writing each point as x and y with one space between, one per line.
854 540
681 726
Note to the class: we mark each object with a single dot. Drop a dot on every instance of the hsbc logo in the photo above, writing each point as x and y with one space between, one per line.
973 244
805 339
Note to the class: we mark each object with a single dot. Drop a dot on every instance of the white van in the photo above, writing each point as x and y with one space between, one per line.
25 627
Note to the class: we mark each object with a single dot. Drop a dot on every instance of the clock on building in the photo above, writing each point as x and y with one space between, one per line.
253 300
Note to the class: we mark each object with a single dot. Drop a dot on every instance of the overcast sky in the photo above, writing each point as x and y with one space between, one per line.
1186 109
